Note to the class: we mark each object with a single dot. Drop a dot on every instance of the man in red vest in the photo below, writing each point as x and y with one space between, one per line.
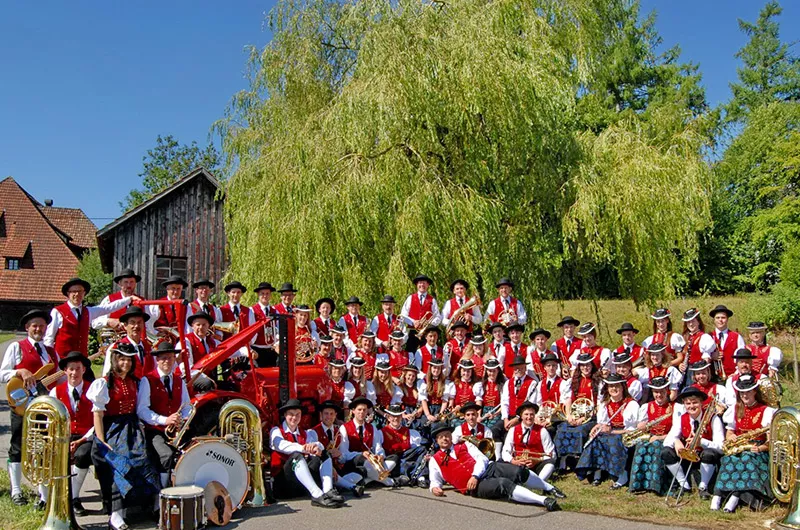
417 307
518 389
162 403
199 343
403 446
23 359
465 468
202 290
362 443
727 341
69 322
385 322
353 321
134 321
287 292
505 308
472 317
471 427
167 317
528 437
568 344
264 344
72 393
127 281
233 311
325 321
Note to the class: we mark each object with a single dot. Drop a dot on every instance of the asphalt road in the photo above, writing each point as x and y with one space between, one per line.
380 508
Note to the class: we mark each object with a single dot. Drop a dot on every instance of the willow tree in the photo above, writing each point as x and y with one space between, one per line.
380 139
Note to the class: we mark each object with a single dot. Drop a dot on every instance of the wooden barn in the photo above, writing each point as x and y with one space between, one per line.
179 231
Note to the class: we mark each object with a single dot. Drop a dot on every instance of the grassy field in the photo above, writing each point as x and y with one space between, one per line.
13 517
6 336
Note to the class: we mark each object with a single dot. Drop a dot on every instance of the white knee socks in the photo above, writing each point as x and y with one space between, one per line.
732 503
526 496
535 482
15 476
677 472
78 476
547 471
706 472
303 474
326 473
716 500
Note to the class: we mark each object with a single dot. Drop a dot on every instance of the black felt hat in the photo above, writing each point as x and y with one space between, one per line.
75 281
174 280
422 278
127 273
201 314
133 311
74 356
289 405
34 313
203 282
235 285
465 283
568 320
720 309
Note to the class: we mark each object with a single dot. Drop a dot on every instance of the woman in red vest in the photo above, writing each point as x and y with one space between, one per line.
768 358
662 333
396 355
409 385
647 470
72 393
492 390
658 363
699 346
386 392
466 385
119 435
357 384
366 350
434 391
573 433
476 352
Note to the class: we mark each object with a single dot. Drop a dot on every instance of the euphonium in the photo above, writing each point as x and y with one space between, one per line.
771 391
45 458
784 458
458 314
484 445
240 420
743 442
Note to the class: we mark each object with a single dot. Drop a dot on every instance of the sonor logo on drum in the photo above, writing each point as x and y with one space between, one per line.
230 462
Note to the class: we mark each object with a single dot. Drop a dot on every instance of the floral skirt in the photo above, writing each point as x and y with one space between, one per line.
569 440
746 471
648 471
605 453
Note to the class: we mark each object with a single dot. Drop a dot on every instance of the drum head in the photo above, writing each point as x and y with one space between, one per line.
219 508
217 461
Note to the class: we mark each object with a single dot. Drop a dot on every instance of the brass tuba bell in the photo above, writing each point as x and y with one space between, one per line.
484 445
226 327
240 422
784 437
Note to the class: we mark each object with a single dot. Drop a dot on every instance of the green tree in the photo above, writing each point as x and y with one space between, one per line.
166 163
91 269
381 139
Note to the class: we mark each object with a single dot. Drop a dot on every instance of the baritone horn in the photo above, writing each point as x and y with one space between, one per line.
45 458
783 463
226 327
240 421
484 445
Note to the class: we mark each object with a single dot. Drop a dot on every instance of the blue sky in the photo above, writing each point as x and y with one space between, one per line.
85 87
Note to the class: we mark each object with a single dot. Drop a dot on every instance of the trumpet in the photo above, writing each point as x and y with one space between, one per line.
334 444
631 438
164 333
743 442
531 457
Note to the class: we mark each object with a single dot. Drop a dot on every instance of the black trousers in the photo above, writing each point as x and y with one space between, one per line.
406 461
356 465
158 450
267 357
286 484
82 458
707 456
499 480
15 448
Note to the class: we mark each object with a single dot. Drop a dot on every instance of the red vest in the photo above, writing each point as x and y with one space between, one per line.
710 390
612 408
260 316
464 392
340 353
72 336
355 329
149 362
278 459
409 397
499 308
456 352
760 365
454 305
324 328
196 307
397 360
80 423
534 444
665 339
727 351
491 394
337 391
694 347
122 397
750 421
396 442
433 395
281 309
655 411
507 368
369 368
384 328
516 399
586 389
456 471
383 397
227 316
198 349
596 352
564 352
657 371
427 356
30 359
509 353
166 316
686 428
113 297
480 430
160 401
417 310
554 394
322 436
636 352
356 443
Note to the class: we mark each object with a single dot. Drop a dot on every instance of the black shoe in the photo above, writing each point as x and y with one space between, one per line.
357 490
324 501
551 505
78 509
335 495
557 493
704 494
19 499
617 486
40 505
422 482
402 481
596 482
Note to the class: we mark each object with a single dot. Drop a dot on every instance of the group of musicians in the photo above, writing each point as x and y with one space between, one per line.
415 397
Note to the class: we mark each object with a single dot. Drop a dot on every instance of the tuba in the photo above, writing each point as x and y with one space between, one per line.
461 312
784 457
240 422
45 458
485 445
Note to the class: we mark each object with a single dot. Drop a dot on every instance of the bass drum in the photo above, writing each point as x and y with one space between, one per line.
214 460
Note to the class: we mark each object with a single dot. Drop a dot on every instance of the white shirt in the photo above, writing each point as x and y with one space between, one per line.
74 403
350 392
508 446
278 443
143 410
718 433
630 415
13 357
522 315
508 389
447 394
438 351
726 331
344 446
435 472
437 317
674 376
102 320
473 315
92 312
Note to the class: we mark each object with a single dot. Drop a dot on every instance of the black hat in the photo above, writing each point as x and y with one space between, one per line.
438 428
539 331
303 308
287 287
585 329
568 320
353 300
692 391
470 405
322 301
124 348
504 281
163 346
658 383
75 281
397 410
127 273
383 365
174 280
336 362
743 353
421 278
465 283
622 358
525 405
660 314
690 314
329 405
201 314
435 361
615 379
656 347
289 405
358 362
756 326
518 360
34 313
203 282
626 326
466 363
339 330
491 364
368 333
477 338
720 309
360 400
74 356
263 286
584 358
235 285
410 368
699 365
133 311
326 339
745 383
516 325
548 357
459 325
494 325
397 334
388 299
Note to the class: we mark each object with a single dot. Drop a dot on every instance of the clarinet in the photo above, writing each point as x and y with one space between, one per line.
420 465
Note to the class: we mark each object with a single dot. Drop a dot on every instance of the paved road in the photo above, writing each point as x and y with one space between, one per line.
379 508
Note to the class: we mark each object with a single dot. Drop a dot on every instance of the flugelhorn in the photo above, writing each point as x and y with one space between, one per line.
424 322
484 445
175 434
784 458
45 458
226 327
240 420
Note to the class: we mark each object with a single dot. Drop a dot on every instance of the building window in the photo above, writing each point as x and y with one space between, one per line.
12 264
167 266
3 224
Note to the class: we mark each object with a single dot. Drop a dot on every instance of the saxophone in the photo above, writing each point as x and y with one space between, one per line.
741 443
631 438
240 421
45 458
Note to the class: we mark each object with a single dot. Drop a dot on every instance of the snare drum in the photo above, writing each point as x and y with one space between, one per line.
182 508
214 460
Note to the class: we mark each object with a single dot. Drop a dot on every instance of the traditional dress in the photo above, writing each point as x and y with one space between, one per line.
570 439
647 471
606 452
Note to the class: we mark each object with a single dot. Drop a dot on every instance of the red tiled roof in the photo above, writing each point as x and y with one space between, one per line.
74 223
53 261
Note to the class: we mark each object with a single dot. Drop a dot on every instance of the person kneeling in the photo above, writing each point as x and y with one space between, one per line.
300 462
465 468
529 445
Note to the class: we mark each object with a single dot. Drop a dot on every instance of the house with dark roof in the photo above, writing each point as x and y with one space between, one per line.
40 246
178 231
